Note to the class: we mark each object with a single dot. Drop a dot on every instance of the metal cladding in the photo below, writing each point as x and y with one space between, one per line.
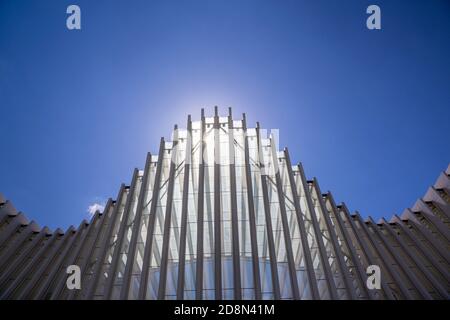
220 213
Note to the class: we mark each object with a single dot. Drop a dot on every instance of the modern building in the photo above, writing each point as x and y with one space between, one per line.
240 222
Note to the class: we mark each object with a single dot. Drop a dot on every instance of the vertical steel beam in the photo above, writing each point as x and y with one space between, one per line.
234 215
348 242
322 253
312 281
135 233
339 256
217 211
84 228
284 222
85 248
59 273
46 286
184 211
270 238
370 258
123 226
151 224
168 219
98 267
200 213
251 214
103 217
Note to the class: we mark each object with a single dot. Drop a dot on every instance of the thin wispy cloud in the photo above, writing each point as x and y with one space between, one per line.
92 209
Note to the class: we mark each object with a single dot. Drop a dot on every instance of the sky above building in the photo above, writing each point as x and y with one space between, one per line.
367 112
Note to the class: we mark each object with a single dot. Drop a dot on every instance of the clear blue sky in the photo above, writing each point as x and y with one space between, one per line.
366 112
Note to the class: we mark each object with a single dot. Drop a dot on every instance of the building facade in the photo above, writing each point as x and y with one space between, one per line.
220 213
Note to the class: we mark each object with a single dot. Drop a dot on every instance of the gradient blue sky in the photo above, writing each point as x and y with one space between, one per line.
367 112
